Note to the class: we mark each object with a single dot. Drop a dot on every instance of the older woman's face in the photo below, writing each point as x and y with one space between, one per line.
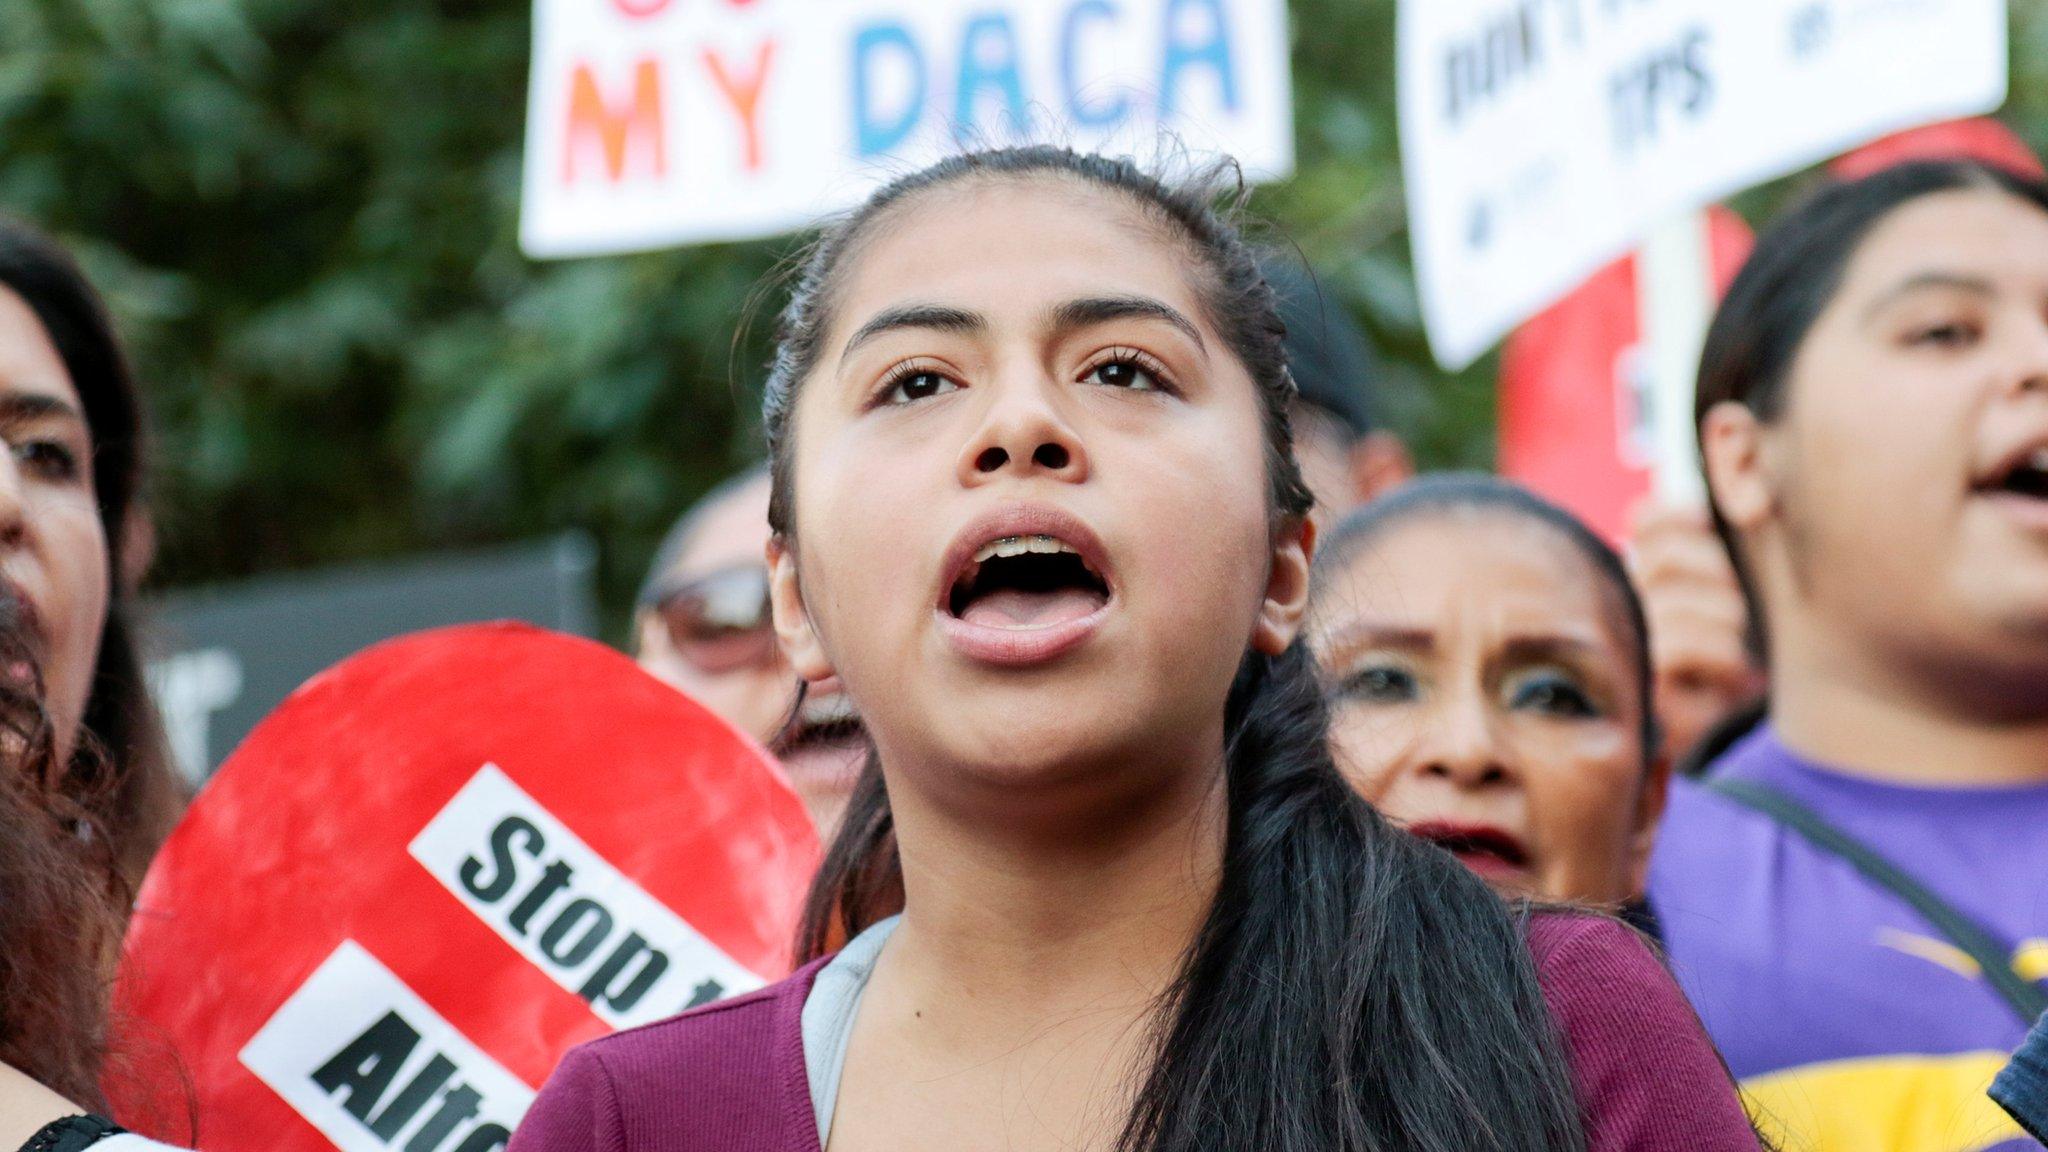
1485 696
53 549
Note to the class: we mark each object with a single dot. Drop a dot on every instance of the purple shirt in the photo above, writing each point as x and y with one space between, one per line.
730 1077
1850 1020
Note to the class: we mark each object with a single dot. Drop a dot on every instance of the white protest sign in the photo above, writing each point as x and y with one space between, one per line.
336 1048
1543 138
661 122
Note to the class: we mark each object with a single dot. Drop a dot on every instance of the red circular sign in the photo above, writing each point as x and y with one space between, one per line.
431 871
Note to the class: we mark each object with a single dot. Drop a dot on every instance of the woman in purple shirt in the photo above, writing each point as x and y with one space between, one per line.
1873 417
1035 506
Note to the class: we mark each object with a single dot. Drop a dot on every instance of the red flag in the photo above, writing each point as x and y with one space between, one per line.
1573 425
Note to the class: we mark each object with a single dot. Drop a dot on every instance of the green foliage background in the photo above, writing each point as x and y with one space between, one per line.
304 215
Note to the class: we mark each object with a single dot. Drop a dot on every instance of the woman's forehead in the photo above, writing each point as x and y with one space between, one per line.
1009 247
1979 232
1525 569
29 362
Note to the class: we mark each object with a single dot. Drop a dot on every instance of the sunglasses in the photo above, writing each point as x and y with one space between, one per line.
719 621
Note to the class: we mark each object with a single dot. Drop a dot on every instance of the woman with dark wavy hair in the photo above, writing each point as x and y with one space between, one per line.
70 519
85 788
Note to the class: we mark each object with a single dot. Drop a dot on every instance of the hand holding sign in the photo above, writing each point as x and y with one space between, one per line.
434 869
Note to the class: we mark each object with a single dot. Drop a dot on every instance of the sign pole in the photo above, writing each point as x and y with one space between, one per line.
1674 302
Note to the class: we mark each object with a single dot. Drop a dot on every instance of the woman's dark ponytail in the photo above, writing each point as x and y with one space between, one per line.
1351 989
1434 1034
860 880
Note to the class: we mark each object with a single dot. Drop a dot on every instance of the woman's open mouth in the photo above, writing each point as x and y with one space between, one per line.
826 745
1025 585
825 719
1493 853
1026 582
2019 484
21 636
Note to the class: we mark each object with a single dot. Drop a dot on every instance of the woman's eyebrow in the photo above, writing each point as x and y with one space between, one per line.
1523 649
1090 310
1365 635
932 317
1921 281
18 407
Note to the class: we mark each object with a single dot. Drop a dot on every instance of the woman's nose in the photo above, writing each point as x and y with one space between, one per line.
2028 375
1023 433
13 518
1461 748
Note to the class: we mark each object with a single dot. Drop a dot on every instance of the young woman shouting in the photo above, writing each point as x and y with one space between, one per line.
1035 505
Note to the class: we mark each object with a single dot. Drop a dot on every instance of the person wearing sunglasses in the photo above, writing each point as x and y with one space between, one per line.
702 626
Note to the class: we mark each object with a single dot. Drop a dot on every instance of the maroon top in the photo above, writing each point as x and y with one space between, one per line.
730 1077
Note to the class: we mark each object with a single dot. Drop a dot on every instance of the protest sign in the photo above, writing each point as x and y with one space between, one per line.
431 871
1577 413
1543 138
658 122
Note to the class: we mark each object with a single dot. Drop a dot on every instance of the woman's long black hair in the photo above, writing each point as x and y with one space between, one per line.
1351 988
119 760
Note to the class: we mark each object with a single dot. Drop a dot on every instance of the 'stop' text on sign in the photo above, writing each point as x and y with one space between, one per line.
1542 138
657 122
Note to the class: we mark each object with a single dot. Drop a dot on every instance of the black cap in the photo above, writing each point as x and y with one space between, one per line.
1326 350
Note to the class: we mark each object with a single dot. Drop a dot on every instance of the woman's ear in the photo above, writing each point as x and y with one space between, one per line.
1649 814
792 619
138 548
1732 453
1286 602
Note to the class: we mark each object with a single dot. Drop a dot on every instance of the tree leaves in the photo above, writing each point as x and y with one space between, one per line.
304 215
